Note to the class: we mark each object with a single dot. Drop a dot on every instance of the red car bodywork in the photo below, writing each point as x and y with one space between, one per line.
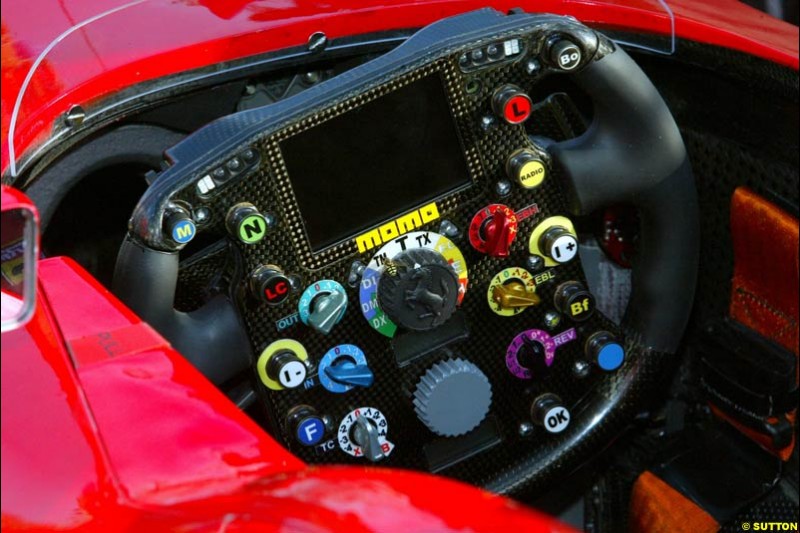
78 53
103 424
106 428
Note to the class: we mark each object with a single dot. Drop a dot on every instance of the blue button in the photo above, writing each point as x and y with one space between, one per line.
310 431
611 357
183 231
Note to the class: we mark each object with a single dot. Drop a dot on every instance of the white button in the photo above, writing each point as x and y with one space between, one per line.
292 374
564 249
556 419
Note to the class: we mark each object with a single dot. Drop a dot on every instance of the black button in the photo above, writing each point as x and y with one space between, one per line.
234 165
565 55
220 174
574 300
249 155
270 285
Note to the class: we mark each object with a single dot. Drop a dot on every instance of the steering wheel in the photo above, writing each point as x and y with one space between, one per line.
632 152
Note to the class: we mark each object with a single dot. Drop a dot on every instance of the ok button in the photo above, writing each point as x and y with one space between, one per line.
511 104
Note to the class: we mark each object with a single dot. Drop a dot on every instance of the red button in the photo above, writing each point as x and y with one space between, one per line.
517 109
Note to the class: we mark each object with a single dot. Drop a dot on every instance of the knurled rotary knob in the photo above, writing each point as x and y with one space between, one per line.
453 397
418 289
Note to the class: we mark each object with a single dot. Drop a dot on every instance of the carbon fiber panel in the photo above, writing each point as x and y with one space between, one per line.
270 190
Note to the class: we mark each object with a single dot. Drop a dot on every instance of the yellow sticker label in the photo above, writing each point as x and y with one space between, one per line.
395 228
532 174
13 261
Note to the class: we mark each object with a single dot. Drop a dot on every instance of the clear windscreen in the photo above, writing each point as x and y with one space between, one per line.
94 46
644 24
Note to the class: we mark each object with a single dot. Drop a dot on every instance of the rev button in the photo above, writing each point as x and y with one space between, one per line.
511 104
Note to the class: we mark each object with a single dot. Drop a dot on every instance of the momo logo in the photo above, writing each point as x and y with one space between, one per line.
397 227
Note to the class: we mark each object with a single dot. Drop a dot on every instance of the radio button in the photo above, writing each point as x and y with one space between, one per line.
282 365
526 168
603 349
180 226
565 55
287 369
511 104
555 240
307 426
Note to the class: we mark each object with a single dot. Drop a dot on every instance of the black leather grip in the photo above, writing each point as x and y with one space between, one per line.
633 153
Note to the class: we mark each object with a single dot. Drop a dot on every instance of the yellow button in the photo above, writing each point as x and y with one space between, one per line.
531 174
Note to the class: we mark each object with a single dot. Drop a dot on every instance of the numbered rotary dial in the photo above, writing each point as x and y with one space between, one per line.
323 305
368 292
531 353
344 367
512 291
362 433
493 229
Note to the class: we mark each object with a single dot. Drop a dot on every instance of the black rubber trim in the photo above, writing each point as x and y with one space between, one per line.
143 144
212 338
633 152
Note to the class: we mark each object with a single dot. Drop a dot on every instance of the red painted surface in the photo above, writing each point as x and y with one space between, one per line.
11 198
151 387
355 500
148 40
132 438
53 471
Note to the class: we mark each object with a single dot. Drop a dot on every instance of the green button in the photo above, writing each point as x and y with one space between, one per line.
252 228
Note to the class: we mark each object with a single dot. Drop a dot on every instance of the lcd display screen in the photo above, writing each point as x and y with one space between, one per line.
375 162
